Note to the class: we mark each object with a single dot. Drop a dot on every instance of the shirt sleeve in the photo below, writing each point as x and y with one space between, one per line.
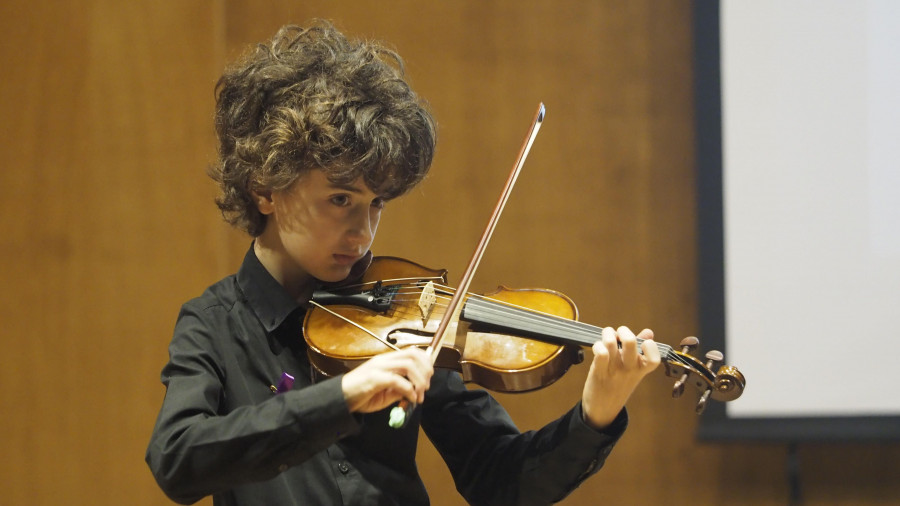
493 463
200 447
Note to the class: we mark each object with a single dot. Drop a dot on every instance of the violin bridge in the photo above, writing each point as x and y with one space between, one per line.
426 302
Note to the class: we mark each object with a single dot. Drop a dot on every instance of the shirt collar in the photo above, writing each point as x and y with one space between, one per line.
265 296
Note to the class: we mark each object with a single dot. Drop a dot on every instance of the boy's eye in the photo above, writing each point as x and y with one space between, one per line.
340 200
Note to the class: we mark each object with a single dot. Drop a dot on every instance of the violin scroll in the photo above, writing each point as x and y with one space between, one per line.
725 384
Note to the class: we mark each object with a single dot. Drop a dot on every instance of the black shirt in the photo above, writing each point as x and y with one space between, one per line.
223 431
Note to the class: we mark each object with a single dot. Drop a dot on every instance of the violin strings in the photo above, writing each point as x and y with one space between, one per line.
523 314
529 315
585 333
559 326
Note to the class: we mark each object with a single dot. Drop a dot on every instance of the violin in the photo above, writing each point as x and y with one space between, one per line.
511 340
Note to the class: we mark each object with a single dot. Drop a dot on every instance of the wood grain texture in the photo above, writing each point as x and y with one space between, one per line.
109 223
107 229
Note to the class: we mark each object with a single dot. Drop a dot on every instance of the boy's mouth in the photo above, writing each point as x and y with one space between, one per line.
346 259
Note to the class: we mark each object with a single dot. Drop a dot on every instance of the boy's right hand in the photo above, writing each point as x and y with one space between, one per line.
385 379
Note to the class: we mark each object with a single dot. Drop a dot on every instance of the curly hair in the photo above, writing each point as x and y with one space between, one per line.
312 99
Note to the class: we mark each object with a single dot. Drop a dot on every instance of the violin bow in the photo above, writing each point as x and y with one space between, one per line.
403 411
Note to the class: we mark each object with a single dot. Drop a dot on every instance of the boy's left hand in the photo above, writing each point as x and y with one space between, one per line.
615 372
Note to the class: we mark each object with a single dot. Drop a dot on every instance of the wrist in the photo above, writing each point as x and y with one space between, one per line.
598 419
614 424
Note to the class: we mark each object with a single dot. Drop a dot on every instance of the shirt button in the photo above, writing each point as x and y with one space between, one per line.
344 468
282 468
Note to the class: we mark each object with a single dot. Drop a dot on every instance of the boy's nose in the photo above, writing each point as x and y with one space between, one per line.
362 229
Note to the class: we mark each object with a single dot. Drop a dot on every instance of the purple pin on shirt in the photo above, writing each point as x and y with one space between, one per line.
285 383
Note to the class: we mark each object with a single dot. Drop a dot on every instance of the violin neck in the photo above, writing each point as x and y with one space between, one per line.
488 315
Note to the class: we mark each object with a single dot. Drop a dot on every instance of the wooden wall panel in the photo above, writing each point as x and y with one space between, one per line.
109 223
106 131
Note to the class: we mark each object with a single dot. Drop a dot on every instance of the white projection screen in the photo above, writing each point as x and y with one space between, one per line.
798 126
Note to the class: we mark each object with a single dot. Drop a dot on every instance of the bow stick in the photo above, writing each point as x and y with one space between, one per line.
402 412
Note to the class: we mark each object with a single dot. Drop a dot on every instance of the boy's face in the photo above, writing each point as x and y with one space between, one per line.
317 229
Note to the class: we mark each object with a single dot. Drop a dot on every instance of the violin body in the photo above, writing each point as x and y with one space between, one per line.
499 362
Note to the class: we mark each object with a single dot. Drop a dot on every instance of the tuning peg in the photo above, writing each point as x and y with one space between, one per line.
712 358
701 404
687 345
678 388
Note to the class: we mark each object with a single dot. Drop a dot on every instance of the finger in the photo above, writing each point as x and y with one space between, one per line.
403 362
424 366
418 385
601 355
396 386
611 342
629 346
415 394
371 388
652 355
416 366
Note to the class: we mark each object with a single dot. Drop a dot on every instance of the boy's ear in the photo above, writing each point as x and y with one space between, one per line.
263 201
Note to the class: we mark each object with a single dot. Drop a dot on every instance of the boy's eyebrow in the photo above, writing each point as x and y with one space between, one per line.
346 186
356 187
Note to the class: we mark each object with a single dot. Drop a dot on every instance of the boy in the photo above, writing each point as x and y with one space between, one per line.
316 133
